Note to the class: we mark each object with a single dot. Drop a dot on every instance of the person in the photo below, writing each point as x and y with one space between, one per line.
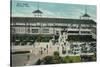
28 57
47 48
41 52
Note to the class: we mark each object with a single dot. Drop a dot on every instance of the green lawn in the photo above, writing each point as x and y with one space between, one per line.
56 59
71 59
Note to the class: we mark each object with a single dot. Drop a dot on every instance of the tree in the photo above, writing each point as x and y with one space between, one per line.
38 62
56 53
48 60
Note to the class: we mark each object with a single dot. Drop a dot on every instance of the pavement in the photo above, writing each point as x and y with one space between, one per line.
29 58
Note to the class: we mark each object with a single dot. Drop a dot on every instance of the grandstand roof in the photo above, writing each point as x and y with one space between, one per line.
51 20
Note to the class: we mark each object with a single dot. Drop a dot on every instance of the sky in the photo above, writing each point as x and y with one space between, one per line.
57 10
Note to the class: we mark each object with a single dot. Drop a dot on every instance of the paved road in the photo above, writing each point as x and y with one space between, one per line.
24 59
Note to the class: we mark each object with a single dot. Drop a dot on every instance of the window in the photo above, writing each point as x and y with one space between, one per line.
45 30
57 32
34 30
85 32
13 30
73 31
28 30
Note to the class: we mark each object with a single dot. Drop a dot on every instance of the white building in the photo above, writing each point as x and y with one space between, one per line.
67 36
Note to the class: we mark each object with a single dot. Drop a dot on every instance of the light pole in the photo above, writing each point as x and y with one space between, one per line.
37 14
